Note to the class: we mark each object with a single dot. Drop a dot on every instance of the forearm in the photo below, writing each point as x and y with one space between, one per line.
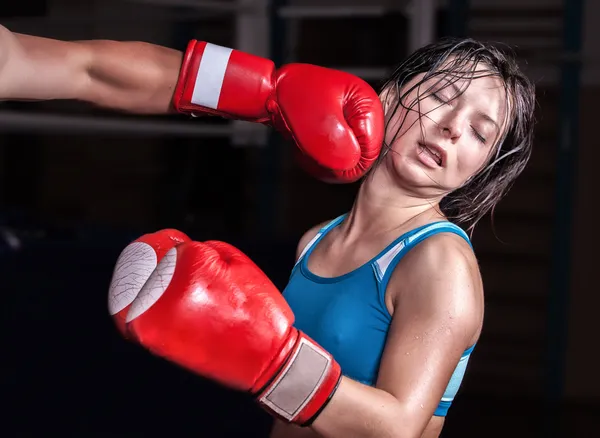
132 76
360 411
129 76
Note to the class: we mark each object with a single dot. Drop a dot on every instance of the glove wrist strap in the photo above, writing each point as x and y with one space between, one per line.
304 385
216 80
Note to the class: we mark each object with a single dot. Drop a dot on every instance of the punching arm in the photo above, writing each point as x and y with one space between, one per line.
334 118
128 76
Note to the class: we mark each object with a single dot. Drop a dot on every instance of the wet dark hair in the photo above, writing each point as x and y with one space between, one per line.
451 60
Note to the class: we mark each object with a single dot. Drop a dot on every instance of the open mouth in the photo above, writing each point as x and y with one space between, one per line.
435 155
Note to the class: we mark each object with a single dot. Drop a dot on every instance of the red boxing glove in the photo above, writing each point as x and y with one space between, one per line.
335 118
207 307
133 268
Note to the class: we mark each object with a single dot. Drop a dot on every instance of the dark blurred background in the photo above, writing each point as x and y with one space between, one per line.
78 184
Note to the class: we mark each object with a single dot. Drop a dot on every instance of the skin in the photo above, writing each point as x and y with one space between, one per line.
435 294
133 77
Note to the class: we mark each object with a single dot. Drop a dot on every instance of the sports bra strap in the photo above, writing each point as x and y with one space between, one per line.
322 231
407 241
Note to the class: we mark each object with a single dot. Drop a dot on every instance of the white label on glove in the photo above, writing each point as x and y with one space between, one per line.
134 266
155 286
209 79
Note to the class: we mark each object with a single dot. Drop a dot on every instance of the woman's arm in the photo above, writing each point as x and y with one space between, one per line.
129 76
438 313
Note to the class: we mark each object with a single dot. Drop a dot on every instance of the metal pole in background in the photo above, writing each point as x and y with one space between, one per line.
270 156
558 303
422 14
252 36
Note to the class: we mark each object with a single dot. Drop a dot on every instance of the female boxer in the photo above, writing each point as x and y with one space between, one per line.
385 303
392 289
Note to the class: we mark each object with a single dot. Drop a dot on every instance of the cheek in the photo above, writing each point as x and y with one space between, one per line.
471 159
401 125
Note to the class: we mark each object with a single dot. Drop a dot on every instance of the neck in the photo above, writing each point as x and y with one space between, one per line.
383 205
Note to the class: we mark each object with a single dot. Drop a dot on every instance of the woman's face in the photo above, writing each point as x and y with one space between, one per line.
453 138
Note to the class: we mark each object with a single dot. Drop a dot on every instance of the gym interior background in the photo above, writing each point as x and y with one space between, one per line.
79 183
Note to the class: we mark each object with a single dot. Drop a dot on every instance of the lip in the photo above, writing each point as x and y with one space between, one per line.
437 149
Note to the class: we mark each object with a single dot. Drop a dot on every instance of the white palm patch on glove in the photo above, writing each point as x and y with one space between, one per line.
156 285
134 266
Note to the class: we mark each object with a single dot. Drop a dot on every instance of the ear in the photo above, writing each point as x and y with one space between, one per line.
388 98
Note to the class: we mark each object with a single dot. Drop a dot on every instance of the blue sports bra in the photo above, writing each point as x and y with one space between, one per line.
347 314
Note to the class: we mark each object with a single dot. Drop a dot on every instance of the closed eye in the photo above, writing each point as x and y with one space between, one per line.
437 98
478 136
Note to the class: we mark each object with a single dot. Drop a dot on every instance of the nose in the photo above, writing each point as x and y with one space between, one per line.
452 126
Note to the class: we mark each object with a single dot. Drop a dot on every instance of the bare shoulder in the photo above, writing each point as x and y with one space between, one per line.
440 274
446 251
308 236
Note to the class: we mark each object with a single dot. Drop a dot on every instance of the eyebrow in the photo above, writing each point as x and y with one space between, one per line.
489 119
480 113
